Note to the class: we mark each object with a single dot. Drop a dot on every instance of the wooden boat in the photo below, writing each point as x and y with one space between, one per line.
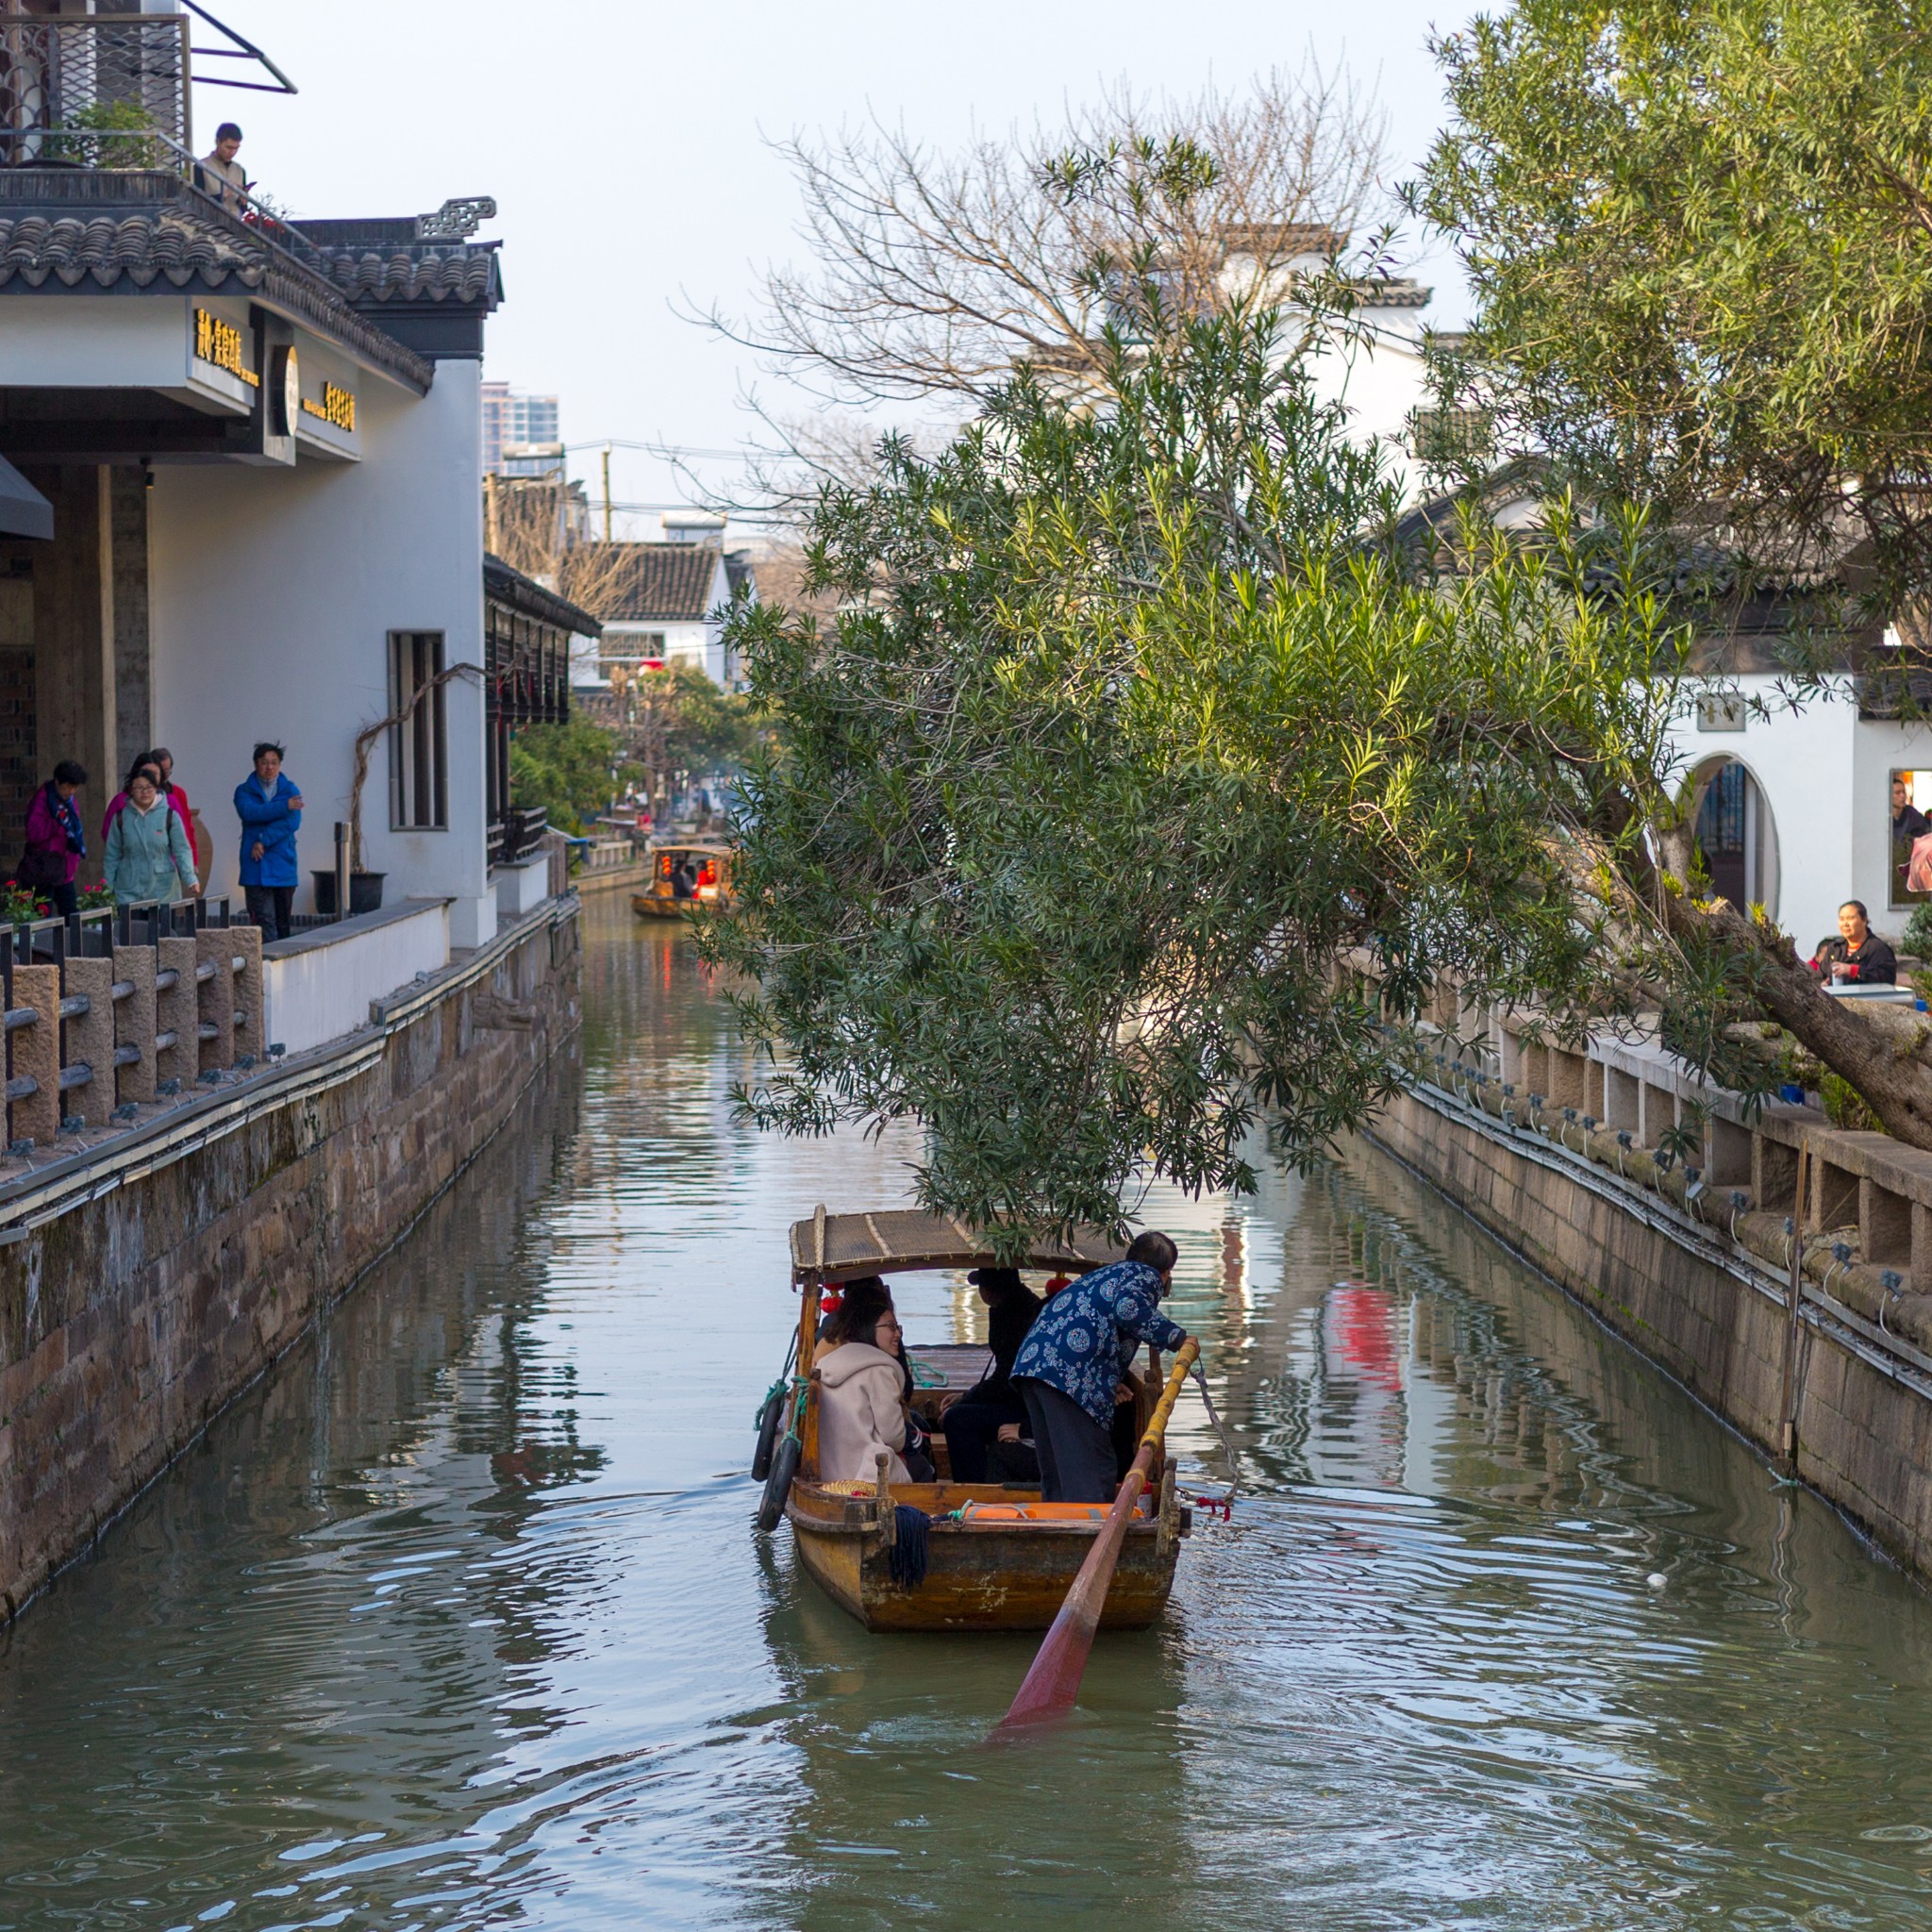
712 866
997 1558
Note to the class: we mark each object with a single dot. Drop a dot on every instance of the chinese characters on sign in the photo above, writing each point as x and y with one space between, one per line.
220 342
337 407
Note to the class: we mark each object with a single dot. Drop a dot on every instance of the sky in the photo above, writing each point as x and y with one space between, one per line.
626 145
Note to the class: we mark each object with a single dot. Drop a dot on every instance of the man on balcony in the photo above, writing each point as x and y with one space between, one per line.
218 173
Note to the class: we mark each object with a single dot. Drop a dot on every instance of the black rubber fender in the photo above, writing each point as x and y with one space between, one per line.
769 1418
778 1484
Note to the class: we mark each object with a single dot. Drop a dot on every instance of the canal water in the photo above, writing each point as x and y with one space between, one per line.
459 1619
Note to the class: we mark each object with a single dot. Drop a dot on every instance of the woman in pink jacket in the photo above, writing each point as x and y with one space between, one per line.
56 844
162 761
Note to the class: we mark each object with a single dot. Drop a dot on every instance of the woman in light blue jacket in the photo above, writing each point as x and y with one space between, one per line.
147 850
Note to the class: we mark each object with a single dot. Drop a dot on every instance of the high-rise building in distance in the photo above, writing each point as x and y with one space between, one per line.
513 420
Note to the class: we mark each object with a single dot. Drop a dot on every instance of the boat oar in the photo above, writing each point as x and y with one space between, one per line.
1054 1682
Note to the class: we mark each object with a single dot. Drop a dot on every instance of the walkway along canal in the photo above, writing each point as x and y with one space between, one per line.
457 1619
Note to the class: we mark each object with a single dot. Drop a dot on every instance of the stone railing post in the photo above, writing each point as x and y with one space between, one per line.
214 945
88 1039
251 1026
135 1024
177 1011
34 1053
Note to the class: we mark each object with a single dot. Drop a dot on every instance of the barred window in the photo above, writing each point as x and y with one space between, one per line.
419 745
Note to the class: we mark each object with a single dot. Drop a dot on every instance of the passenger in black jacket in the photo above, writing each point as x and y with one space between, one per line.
974 1423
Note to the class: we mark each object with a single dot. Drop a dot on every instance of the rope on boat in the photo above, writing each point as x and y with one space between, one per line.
777 1388
908 1555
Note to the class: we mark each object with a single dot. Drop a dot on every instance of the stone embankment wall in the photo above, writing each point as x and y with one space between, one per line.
141 1288
1694 1274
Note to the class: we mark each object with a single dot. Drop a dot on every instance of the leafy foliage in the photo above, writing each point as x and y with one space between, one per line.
107 134
1135 722
1700 241
566 769
682 722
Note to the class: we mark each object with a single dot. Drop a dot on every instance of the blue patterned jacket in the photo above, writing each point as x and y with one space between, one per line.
1085 1339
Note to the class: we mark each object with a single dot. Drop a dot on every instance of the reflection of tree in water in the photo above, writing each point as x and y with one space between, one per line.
1378 1346
661 1053
889 1769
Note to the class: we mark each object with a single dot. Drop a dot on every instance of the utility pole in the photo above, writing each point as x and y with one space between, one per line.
607 493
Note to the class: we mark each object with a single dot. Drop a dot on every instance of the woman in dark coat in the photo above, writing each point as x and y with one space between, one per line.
972 1425
56 844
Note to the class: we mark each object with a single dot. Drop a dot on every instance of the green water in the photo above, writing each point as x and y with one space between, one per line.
460 1621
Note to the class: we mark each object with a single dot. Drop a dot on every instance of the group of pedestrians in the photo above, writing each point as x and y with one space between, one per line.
150 846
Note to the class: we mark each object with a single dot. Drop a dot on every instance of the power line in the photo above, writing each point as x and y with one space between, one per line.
662 449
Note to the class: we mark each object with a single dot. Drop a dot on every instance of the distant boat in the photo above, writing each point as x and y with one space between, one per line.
710 881
997 1558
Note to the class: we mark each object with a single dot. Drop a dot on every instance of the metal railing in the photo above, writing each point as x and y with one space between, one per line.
518 833
117 77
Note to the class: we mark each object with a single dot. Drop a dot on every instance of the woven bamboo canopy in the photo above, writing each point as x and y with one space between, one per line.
836 1247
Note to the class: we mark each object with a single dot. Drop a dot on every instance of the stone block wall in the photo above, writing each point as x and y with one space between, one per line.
1700 1305
128 1320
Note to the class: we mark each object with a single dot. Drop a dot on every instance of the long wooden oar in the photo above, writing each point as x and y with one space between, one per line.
1054 1682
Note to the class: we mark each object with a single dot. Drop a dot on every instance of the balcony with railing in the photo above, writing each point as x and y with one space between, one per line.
110 92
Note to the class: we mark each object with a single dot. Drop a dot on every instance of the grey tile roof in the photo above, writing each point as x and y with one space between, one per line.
502 584
87 229
413 275
70 250
645 583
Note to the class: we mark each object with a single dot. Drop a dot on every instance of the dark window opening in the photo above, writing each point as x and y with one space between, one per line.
419 779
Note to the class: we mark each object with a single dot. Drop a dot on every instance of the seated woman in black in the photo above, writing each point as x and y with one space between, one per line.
974 1423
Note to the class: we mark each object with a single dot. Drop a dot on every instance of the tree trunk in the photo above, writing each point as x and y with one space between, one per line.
1880 1049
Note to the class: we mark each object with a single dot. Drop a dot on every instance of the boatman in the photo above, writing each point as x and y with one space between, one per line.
1070 1368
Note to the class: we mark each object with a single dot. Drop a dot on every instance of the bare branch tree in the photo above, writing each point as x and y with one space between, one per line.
365 745
932 275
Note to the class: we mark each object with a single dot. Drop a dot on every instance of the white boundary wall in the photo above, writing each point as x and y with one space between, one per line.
323 990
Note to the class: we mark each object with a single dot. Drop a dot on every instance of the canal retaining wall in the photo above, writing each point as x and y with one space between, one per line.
145 1283
1695 1277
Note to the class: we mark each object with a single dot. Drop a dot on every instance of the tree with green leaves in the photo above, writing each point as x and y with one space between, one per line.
679 724
1699 240
1134 726
1146 715
1699 243
567 769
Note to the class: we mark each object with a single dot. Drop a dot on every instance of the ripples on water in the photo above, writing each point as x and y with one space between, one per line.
459 1622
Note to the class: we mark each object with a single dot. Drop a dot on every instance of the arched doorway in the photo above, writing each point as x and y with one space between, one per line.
1737 836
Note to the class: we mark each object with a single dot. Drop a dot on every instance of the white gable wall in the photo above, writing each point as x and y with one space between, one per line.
272 592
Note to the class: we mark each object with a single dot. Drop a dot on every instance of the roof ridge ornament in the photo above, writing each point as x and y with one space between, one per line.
457 219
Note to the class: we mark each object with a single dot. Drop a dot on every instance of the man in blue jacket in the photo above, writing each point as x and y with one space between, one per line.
270 809
1070 1367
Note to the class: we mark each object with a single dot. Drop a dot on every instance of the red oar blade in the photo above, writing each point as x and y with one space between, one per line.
1054 1682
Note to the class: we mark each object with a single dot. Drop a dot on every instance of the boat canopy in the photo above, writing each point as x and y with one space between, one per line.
835 1247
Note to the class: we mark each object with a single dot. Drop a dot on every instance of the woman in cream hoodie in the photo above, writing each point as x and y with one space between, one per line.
862 1399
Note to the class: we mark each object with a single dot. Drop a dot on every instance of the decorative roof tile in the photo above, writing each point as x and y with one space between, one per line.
417 273
139 246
